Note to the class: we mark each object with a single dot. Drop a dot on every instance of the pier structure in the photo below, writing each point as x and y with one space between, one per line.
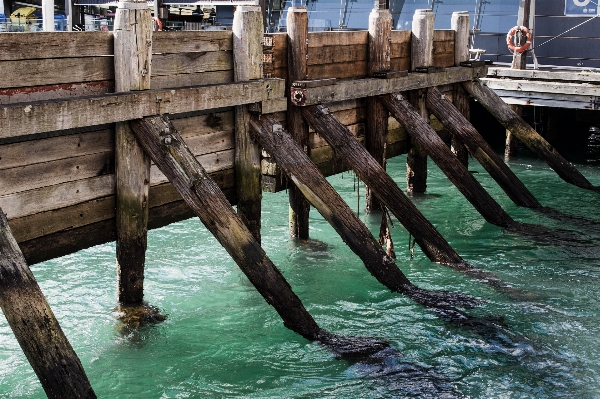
104 136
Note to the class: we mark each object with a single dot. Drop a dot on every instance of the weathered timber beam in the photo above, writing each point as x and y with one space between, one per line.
458 125
556 101
539 74
358 88
517 126
167 149
47 348
164 145
45 116
439 152
306 176
368 169
537 86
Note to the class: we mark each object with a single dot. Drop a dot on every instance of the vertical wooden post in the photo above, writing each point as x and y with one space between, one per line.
421 56
133 51
47 348
247 61
297 32
460 26
380 30
519 62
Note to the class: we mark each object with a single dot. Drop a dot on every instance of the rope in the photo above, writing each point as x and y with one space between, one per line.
567 31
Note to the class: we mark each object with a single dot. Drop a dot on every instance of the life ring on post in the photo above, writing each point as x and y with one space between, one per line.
156 24
510 39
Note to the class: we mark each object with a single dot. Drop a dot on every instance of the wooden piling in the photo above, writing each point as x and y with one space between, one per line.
511 144
536 143
169 152
460 127
297 33
368 169
423 133
460 25
380 33
421 56
32 321
247 61
132 58
306 176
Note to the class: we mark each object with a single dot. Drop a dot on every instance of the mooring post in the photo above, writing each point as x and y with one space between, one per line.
460 26
380 31
297 32
519 62
247 61
421 55
133 52
32 321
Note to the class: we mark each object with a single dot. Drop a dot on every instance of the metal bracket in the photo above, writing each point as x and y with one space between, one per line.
429 69
390 74
472 64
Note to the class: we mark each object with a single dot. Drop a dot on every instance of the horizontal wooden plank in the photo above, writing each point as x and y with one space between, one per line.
400 50
339 38
400 64
43 174
443 60
547 100
342 70
345 90
53 148
443 35
204 124
55 197
560 88
55 71
72 217
54 92
401 36
574 76
181 63
211 162
165 42
39 45
25 119
191 79
337 54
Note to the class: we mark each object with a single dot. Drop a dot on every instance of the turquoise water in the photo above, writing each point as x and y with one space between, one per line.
222 340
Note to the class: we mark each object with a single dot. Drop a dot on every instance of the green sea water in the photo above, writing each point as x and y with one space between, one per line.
222 340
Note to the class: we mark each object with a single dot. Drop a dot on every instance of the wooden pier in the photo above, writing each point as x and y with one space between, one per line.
106 135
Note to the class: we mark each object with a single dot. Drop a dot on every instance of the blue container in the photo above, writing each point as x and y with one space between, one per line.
60 22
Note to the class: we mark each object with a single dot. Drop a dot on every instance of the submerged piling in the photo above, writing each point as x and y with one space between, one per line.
32 321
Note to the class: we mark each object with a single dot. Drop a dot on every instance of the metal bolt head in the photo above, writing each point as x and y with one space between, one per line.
144 72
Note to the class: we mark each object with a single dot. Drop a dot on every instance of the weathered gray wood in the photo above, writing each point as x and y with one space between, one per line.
58 196
458 174
31 118
520 59
42 45
133 59
540 86
247 47
460 24
422 39
572 76
166 42
368 169
343 38
166 148
526 134
52 71
192 79
56 91
193 62
380 29
458 125
43 174
298 167
359 88
298 41
511 144
47 348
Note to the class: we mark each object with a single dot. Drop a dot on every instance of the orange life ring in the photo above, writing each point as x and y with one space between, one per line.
510 40
157 24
